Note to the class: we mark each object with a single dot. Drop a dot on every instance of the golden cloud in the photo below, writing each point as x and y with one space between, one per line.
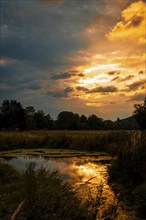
97 104
132 27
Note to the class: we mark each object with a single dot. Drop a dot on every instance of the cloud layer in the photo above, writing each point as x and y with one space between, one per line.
74 55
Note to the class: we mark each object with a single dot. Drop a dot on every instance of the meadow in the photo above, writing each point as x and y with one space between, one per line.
108 141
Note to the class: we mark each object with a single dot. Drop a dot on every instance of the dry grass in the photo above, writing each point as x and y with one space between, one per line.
73 140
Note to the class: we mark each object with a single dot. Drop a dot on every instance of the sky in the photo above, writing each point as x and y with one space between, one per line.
84 56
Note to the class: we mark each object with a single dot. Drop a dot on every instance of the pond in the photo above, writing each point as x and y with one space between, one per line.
86 172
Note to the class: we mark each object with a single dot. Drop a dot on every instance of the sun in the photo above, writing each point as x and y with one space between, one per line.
97 75
102 67
91 82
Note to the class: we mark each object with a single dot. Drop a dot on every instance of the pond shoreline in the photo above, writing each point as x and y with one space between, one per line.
56 153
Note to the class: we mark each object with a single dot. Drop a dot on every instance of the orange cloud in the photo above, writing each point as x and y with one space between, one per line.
132 27
136 85
5 60
121 79
97 104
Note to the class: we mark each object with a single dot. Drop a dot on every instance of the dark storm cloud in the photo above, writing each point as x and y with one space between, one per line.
51 1
20 85
137 97
34 85
37 38
68 90
104 89
60 94
66 75
56 94
134 86
81 88
43 35
24 79
99 89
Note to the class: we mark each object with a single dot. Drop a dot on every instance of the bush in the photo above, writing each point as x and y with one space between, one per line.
139 199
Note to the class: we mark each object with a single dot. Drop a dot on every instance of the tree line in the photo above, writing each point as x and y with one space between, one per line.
14 117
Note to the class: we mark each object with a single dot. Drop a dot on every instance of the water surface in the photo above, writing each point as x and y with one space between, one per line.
87 174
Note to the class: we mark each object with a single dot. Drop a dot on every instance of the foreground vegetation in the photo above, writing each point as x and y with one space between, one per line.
43 193
127 174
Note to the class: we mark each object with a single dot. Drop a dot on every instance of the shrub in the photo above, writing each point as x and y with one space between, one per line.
139 199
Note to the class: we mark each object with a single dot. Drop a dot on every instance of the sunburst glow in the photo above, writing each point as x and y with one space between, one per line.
103 67
88 171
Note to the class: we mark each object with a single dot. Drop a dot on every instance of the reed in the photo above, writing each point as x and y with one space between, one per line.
109 141
128 172
47 196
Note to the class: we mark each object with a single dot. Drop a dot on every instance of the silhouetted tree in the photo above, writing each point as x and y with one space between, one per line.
40 120
65 120
140 114
50 122
108 124
12 115
95 123
29 118
83 122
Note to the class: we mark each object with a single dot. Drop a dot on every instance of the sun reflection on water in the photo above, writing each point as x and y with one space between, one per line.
89 171
88 178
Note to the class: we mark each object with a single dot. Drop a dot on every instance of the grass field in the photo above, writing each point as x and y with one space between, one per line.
74 140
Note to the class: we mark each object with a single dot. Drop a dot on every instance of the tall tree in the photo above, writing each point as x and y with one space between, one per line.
49 121
140 114
29 117
65 120
12 115
95 123
83 122
40 120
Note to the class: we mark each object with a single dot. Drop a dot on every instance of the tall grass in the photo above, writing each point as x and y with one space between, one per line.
41 194
44 193
78 140
128 171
